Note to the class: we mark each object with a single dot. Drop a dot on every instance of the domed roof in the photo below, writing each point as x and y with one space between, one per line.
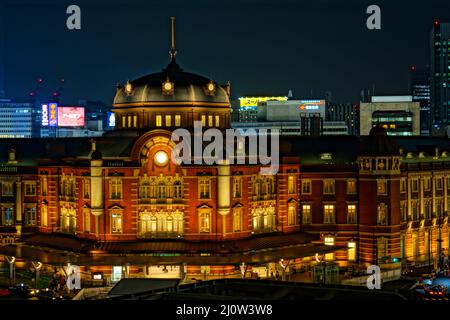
186 88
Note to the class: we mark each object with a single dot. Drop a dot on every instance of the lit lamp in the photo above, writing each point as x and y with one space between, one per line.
210 88
161 158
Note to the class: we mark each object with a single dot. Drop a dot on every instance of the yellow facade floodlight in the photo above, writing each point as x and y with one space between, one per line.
161 158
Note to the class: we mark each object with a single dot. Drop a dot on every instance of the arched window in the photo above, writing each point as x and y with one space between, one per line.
44 215
87 219
292 214
116 220
237 219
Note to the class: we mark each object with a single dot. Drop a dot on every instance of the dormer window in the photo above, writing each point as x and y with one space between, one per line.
129 88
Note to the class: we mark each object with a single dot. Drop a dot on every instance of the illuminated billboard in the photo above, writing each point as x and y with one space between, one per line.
306 105
53 114
252 102
111 120
70 117
45 115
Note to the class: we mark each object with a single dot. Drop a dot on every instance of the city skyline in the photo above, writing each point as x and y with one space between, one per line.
250 41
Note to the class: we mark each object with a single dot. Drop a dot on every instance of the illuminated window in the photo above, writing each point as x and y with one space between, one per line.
351 214
210 121
86 188
381 187
351 186
351 253
116 220
306 186
291 184
237 187
204 188
292 215
382 214
30 188
8 216
44 186
129 121
217 121
204 220
382 248
30 216
115 188
87 219
237 219
161 223
203 121
124 122
306 214
135 121
159 120
178 190
177 120
426 184
328 186
168 120
329 241
44 215
328 214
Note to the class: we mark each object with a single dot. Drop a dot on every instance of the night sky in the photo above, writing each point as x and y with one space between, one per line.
261 46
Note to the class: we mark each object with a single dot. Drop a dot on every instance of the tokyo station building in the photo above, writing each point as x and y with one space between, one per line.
120 200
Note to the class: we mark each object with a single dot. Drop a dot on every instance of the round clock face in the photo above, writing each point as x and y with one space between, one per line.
211 87
167 86
161 158
128 88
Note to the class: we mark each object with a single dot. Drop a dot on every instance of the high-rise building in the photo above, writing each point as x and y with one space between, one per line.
420 91
440 74
18 119
347 112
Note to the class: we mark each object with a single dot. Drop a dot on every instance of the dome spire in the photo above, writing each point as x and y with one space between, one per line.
173 51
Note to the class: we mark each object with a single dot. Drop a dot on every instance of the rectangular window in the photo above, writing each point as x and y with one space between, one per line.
30 216
217 121
328 214
159 120
351 255
329 241
115 188
177 120
403 185
86 188
351 214
328 186
7 188
168 120
8 216
203 121
87 219
381 187
203 188
204 220
135 121
351 186
129 121
44 186
237 219
210 121
306 186
291 184
124 122
237 187
306 214
427 184
116 221
414 185
438 183
30 188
